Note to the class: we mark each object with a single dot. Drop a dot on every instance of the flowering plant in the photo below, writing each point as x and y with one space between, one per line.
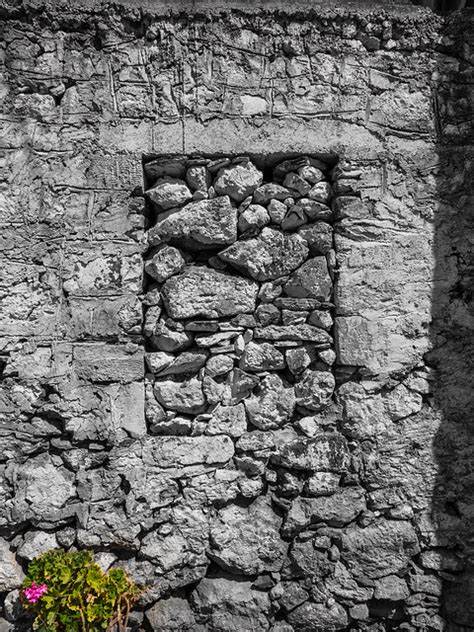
69 592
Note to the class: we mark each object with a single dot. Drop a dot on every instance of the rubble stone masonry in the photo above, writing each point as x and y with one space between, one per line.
236 323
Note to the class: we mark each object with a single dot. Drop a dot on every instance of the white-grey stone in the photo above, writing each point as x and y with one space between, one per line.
246 540
11 574
184 397
272 405
315 389
200 291
238 181
164 263
270 255
169 192
198 225
261 357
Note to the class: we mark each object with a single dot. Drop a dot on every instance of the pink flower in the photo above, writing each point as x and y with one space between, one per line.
34 592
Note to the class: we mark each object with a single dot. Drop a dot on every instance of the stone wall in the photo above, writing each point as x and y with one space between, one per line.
218 364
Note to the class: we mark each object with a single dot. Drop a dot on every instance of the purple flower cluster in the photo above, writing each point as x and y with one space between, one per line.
34 592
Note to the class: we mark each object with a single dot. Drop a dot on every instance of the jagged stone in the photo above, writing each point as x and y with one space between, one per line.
238 181
230 605
318 236
198 178
173 614
272 405
261 357
322 484
35 543
164 263
246 540
270 255
295 182
165 338
392 587
186 362
305 561
184 397
313 175
320 192
229 420
336 510
198 225
314 390
219 365
311 280
292 164
314 210
209 293
297 333
11 574
169 192
253 218
382 548
277 211
317 617
270 191
324 452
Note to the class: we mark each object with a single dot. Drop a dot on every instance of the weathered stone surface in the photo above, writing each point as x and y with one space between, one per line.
392 588
318 236
314 210
314 390
184 397
174 614
246 540
219 365
304 560
253 218
324 452
11 574
298 333
108 363
230 605
238 181
316 617
262 357
204 292
170 339
336 510
198 225
320 192
270 255
169 192
313 175
296 183
164 263
198 178
176 452
36 543
311 280
272 405
382 548
185 363
229 420
270 191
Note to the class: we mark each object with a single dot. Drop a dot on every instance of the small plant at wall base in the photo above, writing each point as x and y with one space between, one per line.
69 592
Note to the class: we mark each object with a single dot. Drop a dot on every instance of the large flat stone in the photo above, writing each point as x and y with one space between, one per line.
270 255
198 225
208 293
247 540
